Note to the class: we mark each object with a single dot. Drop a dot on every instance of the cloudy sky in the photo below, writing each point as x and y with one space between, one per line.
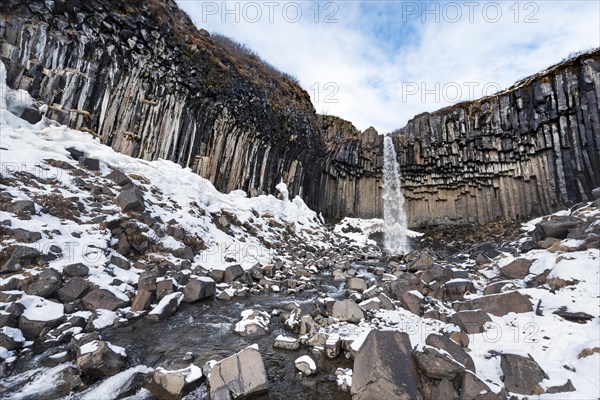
379 63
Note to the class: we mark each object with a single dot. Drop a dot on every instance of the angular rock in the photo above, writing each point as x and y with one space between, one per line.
253 323
500 304
384 368
357 284
100 359
163 288
557 227
436 365
120 262
444 391
91 164
25 236
22 206
11 338
522 375
45 283
20 257
103 299
471 321
199 288
73 289
119 177
473 388
455 350
422 262
455 289
347 310
131 200
518 269
166 307
240 375
412 301
232 273
286 343
142 300
41 316
172 385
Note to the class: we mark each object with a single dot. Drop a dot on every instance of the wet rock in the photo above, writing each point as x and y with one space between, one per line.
166 307
471 321
347 310
45 283
20 257
142 300
232 273
131 200
455 350
172 385
357 284
77 269
436 365
500 304
91 164
100 359
522 375
253 323
73 289
518 269
306 365
286 343
25 236
103 299
240 375
384 368
199 288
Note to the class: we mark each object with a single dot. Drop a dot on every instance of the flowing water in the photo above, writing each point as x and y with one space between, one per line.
394 215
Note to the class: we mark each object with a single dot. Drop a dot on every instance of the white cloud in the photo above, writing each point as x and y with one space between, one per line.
377 50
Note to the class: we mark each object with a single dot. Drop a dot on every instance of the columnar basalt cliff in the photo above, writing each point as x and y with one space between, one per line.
527 151
142 78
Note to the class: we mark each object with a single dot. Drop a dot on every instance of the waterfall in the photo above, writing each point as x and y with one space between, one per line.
394 216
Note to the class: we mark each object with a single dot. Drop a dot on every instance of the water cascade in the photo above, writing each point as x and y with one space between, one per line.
394 216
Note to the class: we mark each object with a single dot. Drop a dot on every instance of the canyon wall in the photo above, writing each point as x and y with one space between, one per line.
143 79
525 152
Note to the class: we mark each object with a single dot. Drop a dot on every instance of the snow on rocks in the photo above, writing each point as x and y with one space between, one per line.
253 323
166 307
166 384
240 375
305 365
100 359
286 343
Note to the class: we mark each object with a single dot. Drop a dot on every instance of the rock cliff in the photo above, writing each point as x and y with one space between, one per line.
527 151
143 79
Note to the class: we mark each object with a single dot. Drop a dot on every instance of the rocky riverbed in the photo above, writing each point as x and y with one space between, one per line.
124 278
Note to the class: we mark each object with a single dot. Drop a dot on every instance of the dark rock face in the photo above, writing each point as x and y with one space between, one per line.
500 304
103 299
101 362
521 374
384 368
45 284
153 88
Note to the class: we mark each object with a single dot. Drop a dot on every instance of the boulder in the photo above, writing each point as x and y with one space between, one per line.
500 304
41 315
232 273
103 299
142 300
119 178
384 368
22 206
522 375
422 262
412 301
11 338
73 289
253 323
20 256
45 283
518 269
100 359
120 262
163 288
306 365
25 236
455 289
172 385
405 283
444 390
77 269
286 343
471 321
455 350
436 365
131 200
357 284
473 388
557 227
166 307
333 345
198 288
347 310
88 163
238 376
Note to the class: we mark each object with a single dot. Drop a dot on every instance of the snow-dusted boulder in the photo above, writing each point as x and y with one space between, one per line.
253 323
238 376
168 385
99 358
306 365
199 288
166 307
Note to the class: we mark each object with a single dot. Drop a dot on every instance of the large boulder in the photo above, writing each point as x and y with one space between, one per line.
500 304
253 323
347 310
172 385
557 227
199 288
405 283
384 368
131 199
232 273
41 315
473 388
435 365
73 289
357 284
119 177
103 299
522 375
45 283
99 359
238 376
20 257
77 269
25 236
518 269
471 321
166 307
